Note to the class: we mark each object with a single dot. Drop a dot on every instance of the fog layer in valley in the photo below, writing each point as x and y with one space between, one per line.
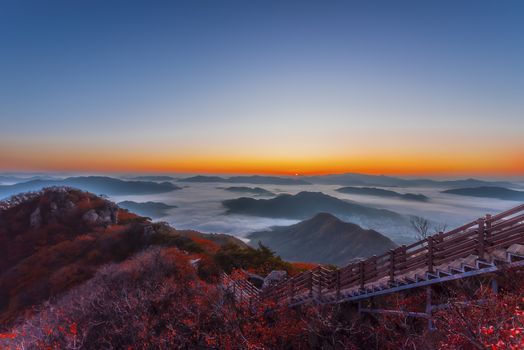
199 207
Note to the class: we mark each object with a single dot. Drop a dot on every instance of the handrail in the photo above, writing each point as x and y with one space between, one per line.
480 236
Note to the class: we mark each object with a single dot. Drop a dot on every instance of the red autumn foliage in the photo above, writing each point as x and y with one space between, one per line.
298 267
492 321
156 300
207 245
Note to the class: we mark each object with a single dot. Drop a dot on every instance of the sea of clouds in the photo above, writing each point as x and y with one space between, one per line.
199 207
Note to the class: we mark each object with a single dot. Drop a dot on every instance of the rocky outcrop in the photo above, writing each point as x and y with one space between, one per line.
35 220
274 277
60 204
149 230
106 215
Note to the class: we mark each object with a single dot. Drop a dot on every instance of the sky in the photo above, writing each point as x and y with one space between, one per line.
276 87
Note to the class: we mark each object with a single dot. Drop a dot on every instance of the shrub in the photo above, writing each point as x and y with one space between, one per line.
261 260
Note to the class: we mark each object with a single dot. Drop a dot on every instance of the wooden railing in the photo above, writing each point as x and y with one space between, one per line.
479 237
242 290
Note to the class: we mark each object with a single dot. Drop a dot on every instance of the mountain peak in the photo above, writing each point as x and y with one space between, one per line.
324 217
323 238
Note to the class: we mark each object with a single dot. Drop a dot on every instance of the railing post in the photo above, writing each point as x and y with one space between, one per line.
362 274
373 261
292 288
430 254
348 270
494 285
429 309
320 283
311 283
402 259
481 240
392 265
338 284
487 223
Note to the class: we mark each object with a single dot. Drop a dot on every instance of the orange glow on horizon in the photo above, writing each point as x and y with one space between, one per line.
409 165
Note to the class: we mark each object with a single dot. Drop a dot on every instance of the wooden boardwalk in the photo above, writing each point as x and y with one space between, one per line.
479 247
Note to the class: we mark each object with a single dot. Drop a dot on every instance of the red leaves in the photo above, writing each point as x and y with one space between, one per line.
124 215
73 329
156 299
7 335
496 322
115 229
206 245
237 275
301 267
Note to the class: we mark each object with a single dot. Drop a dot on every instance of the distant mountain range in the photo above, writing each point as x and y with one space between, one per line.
152 178
96 184
252 190
372 191
149 209
347 179
352 179
306 204
256 179
323 239
488 192
12 179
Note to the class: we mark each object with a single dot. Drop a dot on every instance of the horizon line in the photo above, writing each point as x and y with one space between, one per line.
143 172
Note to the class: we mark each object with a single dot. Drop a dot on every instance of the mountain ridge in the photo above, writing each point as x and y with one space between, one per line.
255 179
373 191
357 179
252 190
488 192
324 238
303 205
95 184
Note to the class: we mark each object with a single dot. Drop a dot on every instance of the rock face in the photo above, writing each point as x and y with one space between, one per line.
149 230
91 217
106 215
274 277
35 220
60 204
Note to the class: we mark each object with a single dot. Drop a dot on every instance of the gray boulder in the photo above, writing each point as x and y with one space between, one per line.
35 220
91 217
107 215
274 277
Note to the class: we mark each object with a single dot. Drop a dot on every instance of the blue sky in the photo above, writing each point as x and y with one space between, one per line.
290 85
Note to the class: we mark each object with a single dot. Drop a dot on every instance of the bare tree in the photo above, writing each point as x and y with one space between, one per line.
440 227
421 226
